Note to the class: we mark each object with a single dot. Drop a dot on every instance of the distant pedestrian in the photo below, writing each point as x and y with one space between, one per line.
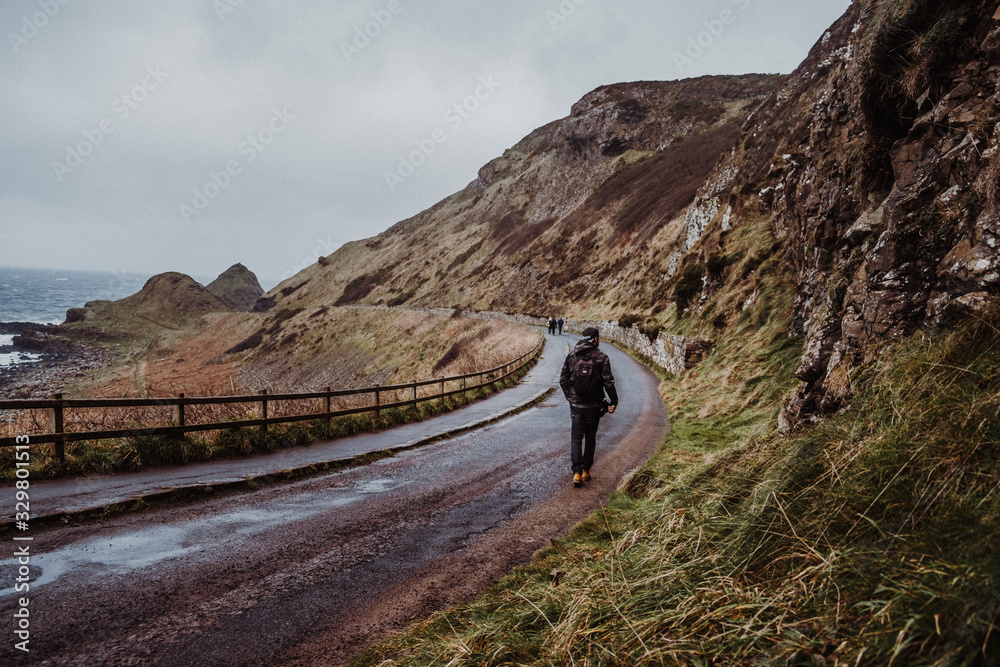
586 377
560 323
552 325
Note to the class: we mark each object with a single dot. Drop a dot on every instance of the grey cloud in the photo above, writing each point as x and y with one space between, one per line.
320 182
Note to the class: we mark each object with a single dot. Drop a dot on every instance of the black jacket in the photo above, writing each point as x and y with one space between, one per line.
585 349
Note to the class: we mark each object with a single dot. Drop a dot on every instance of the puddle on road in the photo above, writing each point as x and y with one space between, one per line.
378 485
149 546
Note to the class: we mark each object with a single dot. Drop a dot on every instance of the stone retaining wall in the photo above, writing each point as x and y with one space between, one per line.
673 354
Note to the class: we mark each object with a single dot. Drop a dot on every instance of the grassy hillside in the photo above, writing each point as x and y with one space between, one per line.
225 353
288 350
592 204
869 539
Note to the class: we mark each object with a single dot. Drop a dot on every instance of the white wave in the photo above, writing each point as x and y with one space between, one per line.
12 358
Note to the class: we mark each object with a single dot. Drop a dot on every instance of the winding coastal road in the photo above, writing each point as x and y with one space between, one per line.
312 571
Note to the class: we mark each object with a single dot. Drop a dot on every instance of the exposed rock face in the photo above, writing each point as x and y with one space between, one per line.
43 341
877 164
238 287
881 178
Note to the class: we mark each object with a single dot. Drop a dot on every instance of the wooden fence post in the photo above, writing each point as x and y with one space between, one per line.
179 410
263 408
57 406
58 448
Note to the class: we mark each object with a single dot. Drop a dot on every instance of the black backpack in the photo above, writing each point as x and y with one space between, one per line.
586 378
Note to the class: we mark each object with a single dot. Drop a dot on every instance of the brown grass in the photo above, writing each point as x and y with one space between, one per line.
654 190
339 348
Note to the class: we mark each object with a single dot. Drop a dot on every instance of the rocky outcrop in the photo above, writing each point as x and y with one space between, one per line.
877 164
167 300
45 341
889 204
174 293
238 287
649 116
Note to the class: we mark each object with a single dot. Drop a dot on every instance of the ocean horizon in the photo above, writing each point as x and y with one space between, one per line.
43 296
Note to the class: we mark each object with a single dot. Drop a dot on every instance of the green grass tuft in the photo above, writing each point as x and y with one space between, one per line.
868 539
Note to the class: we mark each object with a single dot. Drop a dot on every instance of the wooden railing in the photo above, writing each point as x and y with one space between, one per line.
57 406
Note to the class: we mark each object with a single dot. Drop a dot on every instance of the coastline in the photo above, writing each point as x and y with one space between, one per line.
56 362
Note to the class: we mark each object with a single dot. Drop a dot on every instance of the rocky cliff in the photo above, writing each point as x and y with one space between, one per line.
238 287
866 183
877 166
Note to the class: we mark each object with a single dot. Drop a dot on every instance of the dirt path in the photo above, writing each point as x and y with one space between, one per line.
311 572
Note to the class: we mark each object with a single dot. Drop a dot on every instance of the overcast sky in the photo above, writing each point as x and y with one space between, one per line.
188 135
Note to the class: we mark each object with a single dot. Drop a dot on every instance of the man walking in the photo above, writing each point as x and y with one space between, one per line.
586 376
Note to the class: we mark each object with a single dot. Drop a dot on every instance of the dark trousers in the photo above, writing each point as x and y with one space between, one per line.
583 436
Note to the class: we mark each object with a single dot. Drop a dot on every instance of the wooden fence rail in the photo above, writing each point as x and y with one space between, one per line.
57 406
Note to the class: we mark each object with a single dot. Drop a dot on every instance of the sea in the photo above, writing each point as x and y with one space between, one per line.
43 296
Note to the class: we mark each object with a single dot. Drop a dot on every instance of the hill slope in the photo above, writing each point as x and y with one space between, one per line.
568 211
877 166
167 301
237 286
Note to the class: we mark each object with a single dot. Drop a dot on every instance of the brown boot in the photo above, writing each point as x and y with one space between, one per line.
577 480
586 476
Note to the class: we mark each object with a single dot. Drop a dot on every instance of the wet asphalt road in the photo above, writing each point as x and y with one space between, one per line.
313 571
